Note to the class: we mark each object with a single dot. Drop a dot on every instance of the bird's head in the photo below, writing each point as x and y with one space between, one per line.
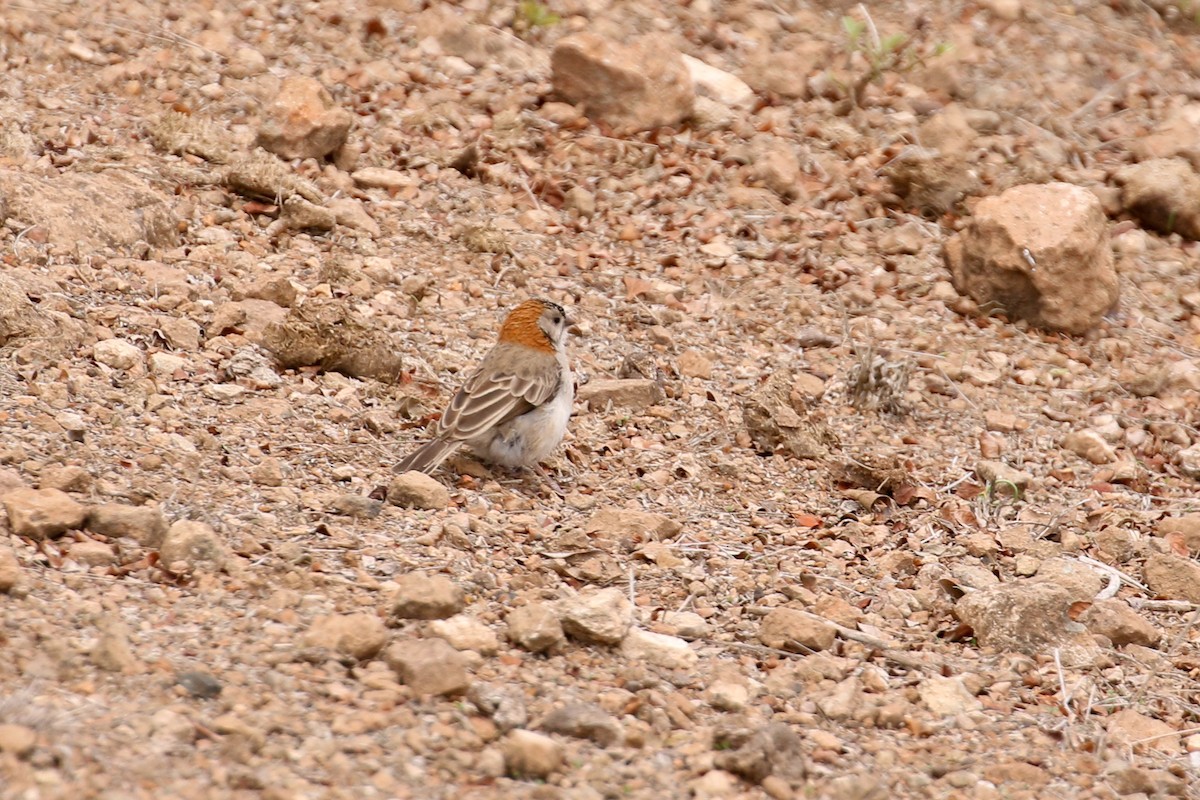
539 324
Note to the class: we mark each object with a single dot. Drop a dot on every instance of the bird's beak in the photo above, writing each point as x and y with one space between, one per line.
574 328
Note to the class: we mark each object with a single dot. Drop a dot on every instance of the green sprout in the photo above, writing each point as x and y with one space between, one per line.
897 52
993 490
533 14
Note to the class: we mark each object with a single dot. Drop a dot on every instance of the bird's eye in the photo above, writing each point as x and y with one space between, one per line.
558 320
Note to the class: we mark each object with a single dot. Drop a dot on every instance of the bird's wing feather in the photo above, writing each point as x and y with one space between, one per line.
501 390
471 414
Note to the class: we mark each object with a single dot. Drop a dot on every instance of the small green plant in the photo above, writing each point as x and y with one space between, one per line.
532 14
994 488
880 53
897 52
1187 11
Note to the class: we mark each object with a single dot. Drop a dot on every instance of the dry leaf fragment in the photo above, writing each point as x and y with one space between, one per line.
864 497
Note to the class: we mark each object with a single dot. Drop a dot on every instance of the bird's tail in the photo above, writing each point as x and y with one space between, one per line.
427 458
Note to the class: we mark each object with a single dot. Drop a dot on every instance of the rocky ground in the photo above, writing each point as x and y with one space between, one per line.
882 480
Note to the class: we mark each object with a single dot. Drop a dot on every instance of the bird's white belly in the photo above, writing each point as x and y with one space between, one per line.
529 438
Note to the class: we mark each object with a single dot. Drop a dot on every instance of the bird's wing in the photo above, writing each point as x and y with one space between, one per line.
497 393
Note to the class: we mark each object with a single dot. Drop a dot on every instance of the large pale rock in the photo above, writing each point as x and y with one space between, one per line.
1090 445
360 636
146 524
92 554
647 647
630 87
43 513
246 62
717 84
714 784
1188 460
1177 135
1130 728
69 478
249 318
1081 581
536 628
417 490
792 630
1185 527
632 394
1164 193
268 472
303 121
429 666
195 544
602 616
10 479
423 596
1030 618
1040 253
946 697
638 526
844 702
90 211
275 288
1173 577
180 332
465 632
728 695
1120 623
531 755
117 353
1008 10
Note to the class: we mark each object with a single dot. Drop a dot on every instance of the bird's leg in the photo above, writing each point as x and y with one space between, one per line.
549 481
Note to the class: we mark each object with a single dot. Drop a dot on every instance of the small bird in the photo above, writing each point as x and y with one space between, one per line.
513 410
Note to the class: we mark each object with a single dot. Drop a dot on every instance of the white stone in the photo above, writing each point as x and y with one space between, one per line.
602 616
223 391
728 695
465 632
117 353
719 85
947 696
1189 461
166 364
659 649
